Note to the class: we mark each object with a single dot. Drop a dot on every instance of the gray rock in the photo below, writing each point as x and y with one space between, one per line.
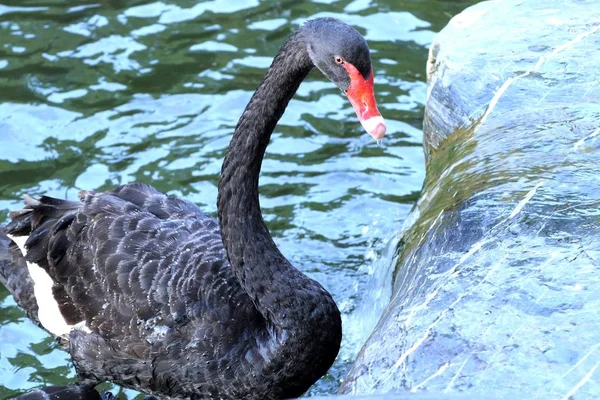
497 287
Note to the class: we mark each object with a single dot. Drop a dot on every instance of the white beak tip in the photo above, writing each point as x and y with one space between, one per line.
375 126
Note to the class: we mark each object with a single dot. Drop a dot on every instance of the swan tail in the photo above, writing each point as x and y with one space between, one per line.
39 243
15 276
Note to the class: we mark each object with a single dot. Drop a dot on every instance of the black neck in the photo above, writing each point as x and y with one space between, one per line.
241 166
265 274
303 322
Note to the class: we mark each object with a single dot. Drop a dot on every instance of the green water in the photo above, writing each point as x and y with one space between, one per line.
93 95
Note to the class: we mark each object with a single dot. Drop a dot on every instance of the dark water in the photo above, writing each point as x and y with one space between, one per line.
93 95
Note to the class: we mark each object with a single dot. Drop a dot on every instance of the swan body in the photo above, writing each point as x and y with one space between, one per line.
147 291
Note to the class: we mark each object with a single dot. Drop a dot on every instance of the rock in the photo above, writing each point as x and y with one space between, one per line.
497 286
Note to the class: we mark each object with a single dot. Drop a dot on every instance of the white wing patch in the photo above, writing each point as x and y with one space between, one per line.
49 314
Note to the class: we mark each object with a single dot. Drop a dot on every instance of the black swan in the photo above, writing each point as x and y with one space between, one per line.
146 291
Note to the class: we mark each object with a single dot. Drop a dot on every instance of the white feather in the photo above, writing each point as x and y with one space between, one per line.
49 313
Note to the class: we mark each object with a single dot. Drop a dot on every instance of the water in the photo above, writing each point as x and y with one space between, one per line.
93 95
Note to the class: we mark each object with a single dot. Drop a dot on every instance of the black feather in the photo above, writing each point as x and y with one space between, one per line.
15 277
73 392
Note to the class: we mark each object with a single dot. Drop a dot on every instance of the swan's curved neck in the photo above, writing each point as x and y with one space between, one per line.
241 166
279 291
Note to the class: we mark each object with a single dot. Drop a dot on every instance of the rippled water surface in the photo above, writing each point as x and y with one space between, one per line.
93 95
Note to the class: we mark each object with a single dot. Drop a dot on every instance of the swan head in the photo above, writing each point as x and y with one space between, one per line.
342 54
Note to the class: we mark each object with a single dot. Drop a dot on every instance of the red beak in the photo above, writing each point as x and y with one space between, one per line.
361 96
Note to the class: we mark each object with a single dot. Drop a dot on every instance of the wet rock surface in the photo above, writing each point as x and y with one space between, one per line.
497 284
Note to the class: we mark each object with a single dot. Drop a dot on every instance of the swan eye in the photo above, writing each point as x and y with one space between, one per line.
339 60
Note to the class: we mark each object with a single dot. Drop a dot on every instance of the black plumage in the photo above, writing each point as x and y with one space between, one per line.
171 302
73 392
15 277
